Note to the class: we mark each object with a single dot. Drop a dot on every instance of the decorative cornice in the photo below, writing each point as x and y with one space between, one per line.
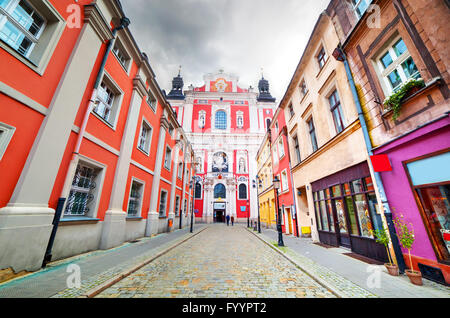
139 86
164 122
95 18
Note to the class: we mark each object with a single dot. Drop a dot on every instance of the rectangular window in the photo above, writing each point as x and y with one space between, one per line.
151 100
291 110
281 147
303 88
312 134
6 134
321 57
145 138
297 149
162 203
397 66
121 55
134 201
105 103
81 197
21 25
177 206
168 158
360 6
336 110
284 181
180 171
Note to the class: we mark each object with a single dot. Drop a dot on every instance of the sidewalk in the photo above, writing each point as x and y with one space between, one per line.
341 271
96 267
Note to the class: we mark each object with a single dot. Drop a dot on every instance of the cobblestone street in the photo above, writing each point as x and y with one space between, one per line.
220 262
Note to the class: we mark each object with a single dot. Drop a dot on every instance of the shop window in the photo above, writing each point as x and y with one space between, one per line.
30 30
135 199
397 66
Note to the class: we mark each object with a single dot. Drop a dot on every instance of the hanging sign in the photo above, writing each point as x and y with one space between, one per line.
381 163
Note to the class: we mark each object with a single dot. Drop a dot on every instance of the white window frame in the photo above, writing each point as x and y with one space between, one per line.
169 162
116 105
284 184
396 64
148 139
97 191
152 101
6 134
161 215
280 144
44 43
356 5
120 52
202 119
141 194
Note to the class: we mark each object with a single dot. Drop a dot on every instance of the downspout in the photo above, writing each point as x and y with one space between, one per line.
340 55
124 23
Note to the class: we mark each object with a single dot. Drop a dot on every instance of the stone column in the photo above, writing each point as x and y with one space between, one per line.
26 222
114 225
152 220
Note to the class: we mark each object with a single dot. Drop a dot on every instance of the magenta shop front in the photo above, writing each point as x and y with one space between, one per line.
418 187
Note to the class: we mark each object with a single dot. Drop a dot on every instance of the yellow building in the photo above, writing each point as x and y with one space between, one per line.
266 195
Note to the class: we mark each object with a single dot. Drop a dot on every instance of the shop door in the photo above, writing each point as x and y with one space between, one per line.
342 224
219 216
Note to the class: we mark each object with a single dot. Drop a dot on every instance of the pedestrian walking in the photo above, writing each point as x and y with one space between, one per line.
228 220
232 220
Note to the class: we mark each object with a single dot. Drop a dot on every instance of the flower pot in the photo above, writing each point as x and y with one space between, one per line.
415 277
392 269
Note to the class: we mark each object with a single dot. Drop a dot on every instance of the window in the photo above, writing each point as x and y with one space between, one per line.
397 66
171 129
162 203
168 158
151 100
108 101
220 191
81 197
30 30
202 119
276 127
281 148
360 6
303 88
121 55
177 205
312 134
198 190
321 58
268 122
221 120
297 149
240 120
180 170
145 138
284 181
134 201
291 110
242 191
336 110
6 133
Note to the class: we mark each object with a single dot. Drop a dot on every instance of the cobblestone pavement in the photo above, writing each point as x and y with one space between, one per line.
220 262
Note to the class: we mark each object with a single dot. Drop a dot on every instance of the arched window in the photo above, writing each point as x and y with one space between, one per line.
198 190
220 191
221 120
242 191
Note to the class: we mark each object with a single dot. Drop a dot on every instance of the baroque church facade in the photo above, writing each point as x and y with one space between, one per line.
225 125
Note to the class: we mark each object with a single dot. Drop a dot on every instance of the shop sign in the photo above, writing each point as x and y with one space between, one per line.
381 163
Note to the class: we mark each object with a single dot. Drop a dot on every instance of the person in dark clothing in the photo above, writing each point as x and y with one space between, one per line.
232 220
228 220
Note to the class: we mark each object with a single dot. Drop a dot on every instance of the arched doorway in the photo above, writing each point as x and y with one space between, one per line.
220 193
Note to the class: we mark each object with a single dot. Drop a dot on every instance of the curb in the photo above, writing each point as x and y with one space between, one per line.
319 280
97 290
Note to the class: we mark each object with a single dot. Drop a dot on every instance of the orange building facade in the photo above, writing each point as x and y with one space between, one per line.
85 132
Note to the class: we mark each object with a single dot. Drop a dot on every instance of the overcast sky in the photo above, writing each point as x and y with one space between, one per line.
240 36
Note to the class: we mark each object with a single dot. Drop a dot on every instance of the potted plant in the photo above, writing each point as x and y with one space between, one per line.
382 237
406 239
394 101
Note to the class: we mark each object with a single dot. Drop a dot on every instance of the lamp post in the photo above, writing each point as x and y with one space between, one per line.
257 183
276 186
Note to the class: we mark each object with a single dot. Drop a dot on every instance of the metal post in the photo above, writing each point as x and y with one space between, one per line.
56 218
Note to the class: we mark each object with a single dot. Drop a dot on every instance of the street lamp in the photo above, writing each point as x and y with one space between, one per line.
276 186
258 184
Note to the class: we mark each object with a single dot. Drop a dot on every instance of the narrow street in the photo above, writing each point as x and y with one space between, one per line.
220 262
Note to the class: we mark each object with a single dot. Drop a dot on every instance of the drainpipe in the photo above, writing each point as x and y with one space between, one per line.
339 55
124 23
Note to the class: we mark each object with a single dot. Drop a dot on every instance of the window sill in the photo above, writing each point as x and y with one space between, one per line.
134 218
323 67
104 121
143 151
78 220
